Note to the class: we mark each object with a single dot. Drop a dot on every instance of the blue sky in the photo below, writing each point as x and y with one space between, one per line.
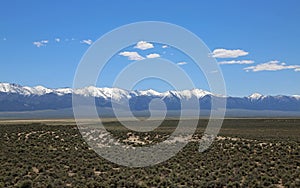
265 33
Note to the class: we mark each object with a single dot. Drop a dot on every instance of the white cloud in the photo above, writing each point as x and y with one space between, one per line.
165 46
224 53
40 43
272 66
153 55
214 71
182 63
143 45
236 62
57 39
87 41
132 55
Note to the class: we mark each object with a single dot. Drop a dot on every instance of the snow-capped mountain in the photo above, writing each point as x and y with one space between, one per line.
26 91
92 91
14 97
256 96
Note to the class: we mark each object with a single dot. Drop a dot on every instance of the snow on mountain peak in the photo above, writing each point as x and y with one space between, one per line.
150 92
106 93
187 94
13 88
115 93
24 90
90 91
63 91
41 90
4 87
296 96
199 93
255 96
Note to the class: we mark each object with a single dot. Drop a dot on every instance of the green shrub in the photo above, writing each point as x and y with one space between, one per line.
25 184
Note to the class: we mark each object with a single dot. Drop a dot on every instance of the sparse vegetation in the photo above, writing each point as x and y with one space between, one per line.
247 153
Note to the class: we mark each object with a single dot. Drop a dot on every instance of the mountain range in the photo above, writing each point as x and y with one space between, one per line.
16 98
